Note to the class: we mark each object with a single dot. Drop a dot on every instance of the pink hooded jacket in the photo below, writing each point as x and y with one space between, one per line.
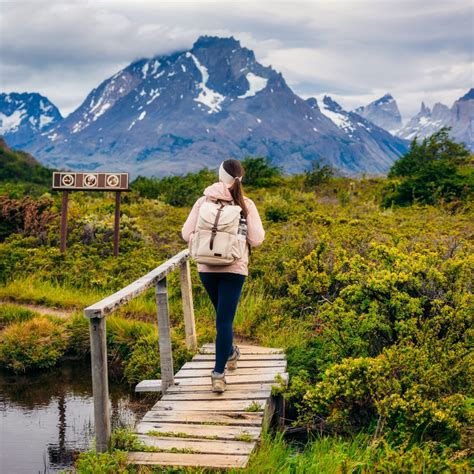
255 231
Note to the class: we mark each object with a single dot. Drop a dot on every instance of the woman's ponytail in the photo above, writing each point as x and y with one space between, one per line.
235 169
237 192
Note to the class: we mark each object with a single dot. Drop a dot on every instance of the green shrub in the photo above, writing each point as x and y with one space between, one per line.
104 463
259 172
37 343
175 190
277 209
430 172
318 174
143 361
11 314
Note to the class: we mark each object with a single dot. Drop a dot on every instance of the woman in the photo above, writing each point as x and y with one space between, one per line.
224 283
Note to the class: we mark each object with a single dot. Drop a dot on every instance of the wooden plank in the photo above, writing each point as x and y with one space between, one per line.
233 395
244 349
188 308
233 379
185 459
148 386
199 431
209 446
100 383
201 357
204 417
206 388
166 353
208 405
123 296
184 374
243 364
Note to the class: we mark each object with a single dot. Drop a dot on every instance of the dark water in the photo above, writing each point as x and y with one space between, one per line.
48 418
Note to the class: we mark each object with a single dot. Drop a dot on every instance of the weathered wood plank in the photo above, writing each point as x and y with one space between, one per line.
242 364
148 386
201 357
123 296
188 308
209 405
164 335
179 430
205 417
244 349
207 388
185 459
227 395
233 379
209 446
214 427
184 374
100 383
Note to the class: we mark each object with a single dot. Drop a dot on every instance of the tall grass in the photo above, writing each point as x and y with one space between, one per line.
12 314
48 293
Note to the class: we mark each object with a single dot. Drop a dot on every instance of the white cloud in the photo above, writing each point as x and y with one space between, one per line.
354 50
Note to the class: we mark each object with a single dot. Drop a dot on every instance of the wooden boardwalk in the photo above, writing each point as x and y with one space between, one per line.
192 426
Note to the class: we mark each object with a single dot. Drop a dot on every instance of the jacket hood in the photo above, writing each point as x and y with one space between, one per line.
218 191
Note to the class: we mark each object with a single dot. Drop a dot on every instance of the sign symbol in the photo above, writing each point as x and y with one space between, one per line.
67 180
90 180
113 180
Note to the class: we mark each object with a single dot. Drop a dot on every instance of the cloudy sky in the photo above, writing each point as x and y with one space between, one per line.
353 50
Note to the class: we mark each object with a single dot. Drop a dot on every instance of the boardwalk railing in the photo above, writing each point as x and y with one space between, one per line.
97 314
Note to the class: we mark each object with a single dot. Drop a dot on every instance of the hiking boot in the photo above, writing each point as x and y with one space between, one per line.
232 360
218 382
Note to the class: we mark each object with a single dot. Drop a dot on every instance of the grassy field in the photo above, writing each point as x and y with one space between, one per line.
372 304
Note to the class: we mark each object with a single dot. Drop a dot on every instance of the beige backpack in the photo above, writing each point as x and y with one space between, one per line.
215 241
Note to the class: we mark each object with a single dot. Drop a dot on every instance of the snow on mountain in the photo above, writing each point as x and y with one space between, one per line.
426 121
460 117
23 116
178 113
383 112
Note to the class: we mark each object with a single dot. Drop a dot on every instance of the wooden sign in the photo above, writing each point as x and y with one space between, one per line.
76 181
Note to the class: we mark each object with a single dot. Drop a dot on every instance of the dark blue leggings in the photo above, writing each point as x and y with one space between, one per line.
224 289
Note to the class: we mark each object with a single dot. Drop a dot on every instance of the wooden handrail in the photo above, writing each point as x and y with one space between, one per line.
123 296
97 316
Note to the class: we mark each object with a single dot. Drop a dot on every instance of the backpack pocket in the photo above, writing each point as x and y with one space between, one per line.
222 248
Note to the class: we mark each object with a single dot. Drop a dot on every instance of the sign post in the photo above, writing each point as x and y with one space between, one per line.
64 204
67 181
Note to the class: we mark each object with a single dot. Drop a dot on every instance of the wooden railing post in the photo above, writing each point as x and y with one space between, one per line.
166 354
100 384
188 308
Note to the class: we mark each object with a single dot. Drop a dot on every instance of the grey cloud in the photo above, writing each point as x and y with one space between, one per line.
355 50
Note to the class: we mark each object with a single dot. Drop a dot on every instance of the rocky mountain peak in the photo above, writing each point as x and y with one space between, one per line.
383 112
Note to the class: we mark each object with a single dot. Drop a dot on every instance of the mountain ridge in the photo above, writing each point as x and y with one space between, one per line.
180 112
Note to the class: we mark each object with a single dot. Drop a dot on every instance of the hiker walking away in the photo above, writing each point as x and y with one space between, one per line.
220 229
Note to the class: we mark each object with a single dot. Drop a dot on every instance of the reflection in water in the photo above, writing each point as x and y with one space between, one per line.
47 418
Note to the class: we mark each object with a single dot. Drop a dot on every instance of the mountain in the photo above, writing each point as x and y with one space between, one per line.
460 117
24 116
20 167
178 113
370 139
426 121
382 112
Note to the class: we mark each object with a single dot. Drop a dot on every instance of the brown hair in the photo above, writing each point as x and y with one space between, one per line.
236 170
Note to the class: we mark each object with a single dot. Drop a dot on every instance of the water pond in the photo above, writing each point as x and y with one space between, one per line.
47 418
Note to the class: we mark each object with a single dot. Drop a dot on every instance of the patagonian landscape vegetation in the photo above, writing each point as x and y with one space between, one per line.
366 283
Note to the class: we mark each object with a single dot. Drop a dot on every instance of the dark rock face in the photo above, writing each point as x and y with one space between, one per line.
383 112
24 116
178 113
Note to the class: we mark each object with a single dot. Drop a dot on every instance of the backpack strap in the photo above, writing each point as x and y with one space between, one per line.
214 227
